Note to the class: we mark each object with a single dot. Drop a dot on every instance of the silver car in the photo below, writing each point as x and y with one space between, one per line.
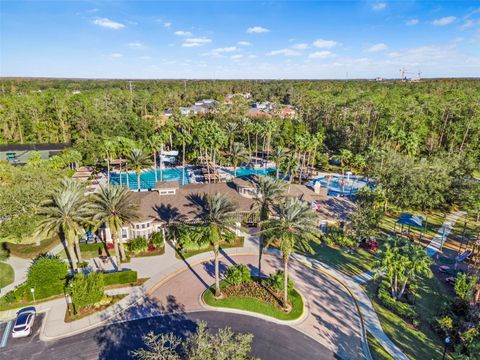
24 322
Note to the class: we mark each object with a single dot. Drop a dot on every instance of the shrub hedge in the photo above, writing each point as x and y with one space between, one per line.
400 308
138 244
47 275
238 274
87 289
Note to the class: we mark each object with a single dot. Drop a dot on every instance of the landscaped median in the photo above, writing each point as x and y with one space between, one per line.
256 295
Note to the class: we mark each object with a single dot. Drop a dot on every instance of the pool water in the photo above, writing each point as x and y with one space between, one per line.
245 171
341 185
147 178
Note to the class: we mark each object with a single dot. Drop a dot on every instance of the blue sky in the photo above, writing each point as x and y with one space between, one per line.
239 39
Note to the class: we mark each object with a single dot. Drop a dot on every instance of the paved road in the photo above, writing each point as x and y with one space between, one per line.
271 341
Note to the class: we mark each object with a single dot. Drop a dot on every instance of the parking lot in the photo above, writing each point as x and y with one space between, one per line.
9 344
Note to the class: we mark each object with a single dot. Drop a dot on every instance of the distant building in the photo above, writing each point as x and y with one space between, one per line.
19 153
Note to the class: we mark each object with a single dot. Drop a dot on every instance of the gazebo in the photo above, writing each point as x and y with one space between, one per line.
411 220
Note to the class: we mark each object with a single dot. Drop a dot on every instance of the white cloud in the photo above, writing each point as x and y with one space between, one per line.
236 57
300 46
321 54
412 22
285 52
379 6
183 33
467 24
225 49
257 30
244 43
444 21
324 44
136 45
167 24
109 24
145 57
196 42
251 56
377 47
116 55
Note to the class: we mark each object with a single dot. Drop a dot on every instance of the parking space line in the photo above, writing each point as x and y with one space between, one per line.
6 332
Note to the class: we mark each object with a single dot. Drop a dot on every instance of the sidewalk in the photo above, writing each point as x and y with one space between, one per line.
437 242
161 268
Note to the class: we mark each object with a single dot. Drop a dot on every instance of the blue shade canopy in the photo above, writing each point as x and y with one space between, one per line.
411 220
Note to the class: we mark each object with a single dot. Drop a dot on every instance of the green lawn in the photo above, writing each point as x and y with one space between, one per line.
7 275
416 344
30 251
434 221
350 262
254 305
377 350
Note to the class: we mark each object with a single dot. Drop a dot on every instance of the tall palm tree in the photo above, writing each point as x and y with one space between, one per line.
154 145
184 134
295 225
237 155
345 158
138 159
65 211
290 165
108 151
124 146
269 193
217 217
113 206
278 154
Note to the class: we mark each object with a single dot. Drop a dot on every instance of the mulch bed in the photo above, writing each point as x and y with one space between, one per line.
256 290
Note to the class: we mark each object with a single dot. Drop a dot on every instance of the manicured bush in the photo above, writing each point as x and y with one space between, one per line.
238 274
276 281
156 239
400 308
87 290
120 277
47 276
138 244
336 236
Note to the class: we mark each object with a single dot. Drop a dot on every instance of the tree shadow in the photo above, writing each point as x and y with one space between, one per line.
192 270
124 334
169 214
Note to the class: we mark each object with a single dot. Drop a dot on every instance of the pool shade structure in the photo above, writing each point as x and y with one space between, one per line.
411 221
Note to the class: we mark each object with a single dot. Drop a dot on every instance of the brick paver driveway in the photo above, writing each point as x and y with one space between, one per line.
332 317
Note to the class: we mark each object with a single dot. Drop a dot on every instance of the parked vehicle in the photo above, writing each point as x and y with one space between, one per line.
24 322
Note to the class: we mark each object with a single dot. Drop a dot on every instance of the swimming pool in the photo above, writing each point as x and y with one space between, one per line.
245 171
147 178
341 185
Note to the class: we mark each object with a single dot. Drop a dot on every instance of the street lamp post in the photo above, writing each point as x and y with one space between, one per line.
71 299
33 294
447 341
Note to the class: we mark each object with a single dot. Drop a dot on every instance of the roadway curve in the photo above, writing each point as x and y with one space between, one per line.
332 318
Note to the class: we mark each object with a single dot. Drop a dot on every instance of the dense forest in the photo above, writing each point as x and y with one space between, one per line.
419 140
417 119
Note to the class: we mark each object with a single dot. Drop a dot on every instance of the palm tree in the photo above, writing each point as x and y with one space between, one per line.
113 206
295 225
237 155
137 159
269 193
65 211
184 133
108 151
217 217
277 156
124 146
290 165
154 145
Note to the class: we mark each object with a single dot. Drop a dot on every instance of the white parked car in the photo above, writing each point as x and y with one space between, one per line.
24 322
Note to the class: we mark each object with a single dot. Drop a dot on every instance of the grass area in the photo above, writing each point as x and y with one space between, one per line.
139 282
435 219
421 343
377 350
189 253
7 275
108 301
30 251
256 305
350 262
23 303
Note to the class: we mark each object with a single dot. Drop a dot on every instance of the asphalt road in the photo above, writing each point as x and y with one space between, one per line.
271 341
